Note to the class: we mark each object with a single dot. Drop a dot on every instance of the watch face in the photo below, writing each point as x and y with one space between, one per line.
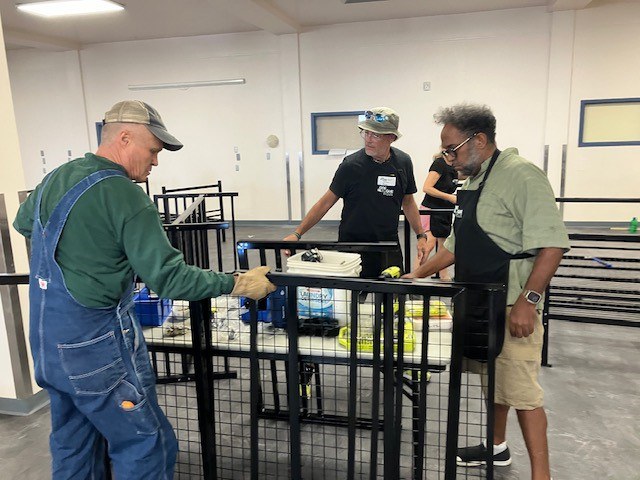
533 297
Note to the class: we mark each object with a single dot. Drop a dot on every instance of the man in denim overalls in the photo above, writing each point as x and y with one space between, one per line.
92 230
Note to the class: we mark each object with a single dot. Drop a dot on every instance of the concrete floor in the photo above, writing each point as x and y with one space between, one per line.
592 401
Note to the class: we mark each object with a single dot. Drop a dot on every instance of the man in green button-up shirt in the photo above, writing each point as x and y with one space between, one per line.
512 216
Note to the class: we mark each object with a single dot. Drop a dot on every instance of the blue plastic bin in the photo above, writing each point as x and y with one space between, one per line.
270 310
151 310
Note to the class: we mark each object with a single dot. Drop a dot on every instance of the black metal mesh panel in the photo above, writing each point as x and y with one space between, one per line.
171 352
281 388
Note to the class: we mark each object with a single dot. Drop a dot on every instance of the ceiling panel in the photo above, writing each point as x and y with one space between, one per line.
150 19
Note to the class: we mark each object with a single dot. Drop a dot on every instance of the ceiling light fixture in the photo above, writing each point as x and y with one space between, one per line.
185 85
63 8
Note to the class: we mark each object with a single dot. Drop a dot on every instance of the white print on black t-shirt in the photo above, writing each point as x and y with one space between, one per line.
387 181
457 212
387 192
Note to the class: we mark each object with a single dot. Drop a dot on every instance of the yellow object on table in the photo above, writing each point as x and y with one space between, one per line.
365 339
437 309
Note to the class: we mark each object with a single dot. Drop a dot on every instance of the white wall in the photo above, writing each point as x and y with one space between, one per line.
11 180
606 64
497 58
210 121
48 99
531 66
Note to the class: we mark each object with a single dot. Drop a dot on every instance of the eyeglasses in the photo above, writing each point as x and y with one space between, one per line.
452 151
368 133
376 117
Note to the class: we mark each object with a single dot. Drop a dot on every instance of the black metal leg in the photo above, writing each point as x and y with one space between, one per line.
318 377
274 386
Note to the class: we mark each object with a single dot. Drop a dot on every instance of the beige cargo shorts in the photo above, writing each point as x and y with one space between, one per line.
517 370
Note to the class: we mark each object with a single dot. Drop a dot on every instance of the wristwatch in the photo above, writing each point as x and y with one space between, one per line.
532 297
421 235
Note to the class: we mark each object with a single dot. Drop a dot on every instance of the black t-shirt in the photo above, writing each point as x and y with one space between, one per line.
447 183
372 195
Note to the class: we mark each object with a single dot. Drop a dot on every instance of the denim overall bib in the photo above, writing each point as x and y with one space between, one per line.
479 260
95 366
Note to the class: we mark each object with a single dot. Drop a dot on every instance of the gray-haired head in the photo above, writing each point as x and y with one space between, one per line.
469 119
135 111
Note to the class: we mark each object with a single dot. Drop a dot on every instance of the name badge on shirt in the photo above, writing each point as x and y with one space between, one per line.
386 181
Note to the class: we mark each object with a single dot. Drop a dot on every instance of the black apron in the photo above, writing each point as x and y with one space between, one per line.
479 260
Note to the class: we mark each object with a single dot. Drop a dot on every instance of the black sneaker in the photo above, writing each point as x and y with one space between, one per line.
475 457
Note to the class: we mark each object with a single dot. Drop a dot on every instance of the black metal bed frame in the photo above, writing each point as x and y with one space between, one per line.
212 215
172 205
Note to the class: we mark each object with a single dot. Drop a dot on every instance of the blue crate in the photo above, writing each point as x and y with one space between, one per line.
272 310
151 310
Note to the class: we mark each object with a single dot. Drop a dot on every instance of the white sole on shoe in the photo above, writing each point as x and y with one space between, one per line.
496 463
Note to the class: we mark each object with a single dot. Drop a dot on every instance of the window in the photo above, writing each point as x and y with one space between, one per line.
335 130
609 122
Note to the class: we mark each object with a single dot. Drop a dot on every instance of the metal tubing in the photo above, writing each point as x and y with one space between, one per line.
375 395
399 373
293 385
254 373
453 404
545 325
287 170
203 367
418 466
390 443
492 352
353 383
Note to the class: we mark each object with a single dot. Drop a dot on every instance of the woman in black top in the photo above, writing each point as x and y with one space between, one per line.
439 188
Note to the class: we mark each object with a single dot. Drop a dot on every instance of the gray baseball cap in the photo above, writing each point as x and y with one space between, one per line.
381 120
135 111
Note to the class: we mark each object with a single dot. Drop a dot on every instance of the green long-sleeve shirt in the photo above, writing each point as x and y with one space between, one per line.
113 231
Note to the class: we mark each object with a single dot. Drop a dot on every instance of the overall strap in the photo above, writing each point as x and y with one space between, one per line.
58 218
36 213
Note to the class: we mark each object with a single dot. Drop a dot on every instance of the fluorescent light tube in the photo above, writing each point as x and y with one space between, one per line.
62 8
205 83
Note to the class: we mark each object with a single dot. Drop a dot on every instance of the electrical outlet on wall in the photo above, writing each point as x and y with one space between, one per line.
426 86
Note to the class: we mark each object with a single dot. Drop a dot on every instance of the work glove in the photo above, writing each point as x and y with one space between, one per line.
253 284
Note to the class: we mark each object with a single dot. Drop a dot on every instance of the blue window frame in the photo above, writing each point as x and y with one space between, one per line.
609 122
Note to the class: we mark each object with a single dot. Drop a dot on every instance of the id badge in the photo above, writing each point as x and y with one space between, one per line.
386 181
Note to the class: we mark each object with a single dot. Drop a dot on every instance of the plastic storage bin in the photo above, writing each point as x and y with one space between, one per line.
270 310
151 310
325 302
365 339
439 316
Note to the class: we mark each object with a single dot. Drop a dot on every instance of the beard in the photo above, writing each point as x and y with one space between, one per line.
472 166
